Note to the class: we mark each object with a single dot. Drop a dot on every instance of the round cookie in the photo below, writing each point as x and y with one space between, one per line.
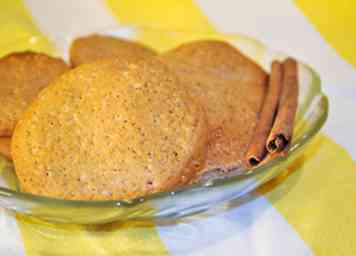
231 89
95 47
5 150
22 76
110 130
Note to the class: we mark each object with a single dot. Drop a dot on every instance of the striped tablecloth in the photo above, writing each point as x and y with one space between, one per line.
310 211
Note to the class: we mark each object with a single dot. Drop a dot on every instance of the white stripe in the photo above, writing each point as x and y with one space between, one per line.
282 26
285 28
255 228
65 19
10 238
341 125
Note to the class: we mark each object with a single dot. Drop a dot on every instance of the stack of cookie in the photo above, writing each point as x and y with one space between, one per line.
124 121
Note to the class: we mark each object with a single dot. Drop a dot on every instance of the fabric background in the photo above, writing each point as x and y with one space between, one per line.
308 211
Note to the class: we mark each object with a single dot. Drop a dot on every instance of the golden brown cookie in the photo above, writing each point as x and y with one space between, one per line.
110 130
5 149
95 47
22 76
231 89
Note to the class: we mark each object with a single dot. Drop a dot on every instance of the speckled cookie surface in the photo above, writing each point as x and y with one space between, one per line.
231 89
22 76
95 47
107 130
5 150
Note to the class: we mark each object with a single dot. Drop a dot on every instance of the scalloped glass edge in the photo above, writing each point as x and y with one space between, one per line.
311 116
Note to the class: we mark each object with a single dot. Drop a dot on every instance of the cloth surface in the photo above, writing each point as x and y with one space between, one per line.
308 211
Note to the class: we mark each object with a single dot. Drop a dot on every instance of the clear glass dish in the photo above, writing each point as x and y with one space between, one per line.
312 114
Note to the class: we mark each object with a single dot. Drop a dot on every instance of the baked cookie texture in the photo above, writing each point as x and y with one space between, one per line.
110 130
5 147
95 47
22 76
231 89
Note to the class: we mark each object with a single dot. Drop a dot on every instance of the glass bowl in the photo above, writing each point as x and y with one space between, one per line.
311 115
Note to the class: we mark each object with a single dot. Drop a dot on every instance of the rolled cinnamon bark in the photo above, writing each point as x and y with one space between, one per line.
281 133
5 147
257 150
271 156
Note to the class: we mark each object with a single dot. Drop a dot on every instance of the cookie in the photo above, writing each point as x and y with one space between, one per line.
22 76
5 149
110 130
231 89
95 47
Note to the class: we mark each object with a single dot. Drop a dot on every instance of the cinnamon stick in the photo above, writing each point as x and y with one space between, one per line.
257 150
271 156
281 133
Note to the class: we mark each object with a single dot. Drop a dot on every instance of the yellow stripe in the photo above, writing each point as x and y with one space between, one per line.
162 14
168 23
128 238
18 32
176 15
317 197
336 22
